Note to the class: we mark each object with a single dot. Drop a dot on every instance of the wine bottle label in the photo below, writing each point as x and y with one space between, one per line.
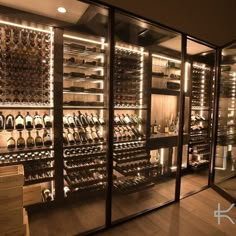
155 129
127 120
19 120
28 120
70 137
38 120
47 119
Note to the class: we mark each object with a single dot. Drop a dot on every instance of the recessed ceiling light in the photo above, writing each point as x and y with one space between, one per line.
61 9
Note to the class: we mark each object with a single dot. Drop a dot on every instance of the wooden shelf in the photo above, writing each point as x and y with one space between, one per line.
165 91
165 140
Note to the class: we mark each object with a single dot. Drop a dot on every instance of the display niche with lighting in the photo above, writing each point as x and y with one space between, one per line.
200 116
166 78
26 106
84 118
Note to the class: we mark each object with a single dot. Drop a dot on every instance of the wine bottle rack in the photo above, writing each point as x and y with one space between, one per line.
26 93
131 185
84 82
26 55
199 136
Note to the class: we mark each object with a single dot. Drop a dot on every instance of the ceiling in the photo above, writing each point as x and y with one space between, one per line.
48 8
208 20
94 21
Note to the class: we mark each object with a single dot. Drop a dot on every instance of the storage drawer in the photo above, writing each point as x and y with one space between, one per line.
11 176
11 198
32 195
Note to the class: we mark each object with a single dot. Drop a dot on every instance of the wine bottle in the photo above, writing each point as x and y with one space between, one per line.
71 121
2 121
155 127
76 136
11 143
82 135
83 120
65 122
70 137
19 122
38 140
100 135
28 121
38 123
77 121
88 135
89 120
20 141
47 141
47 121
47 196
126 119
95 120
117 120
9 125
94 135
30 141
65 139
101 120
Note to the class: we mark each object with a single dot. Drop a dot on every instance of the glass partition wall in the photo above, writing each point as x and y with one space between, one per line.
141 139
225 158
147 76
199 98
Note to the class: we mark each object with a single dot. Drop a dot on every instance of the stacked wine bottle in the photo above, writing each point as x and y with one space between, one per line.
127 78
28 124
25 66
199 143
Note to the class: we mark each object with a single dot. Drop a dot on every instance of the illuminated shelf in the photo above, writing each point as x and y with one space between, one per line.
83 66
85 79
24 107
87 93
165 91
84 107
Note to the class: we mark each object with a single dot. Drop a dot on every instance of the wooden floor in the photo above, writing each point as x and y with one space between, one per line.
85 215
193 216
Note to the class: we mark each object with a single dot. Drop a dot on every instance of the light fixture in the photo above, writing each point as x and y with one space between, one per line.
61 9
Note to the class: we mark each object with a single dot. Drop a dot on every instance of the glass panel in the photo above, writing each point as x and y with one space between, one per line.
147 58
225 162
85 114
26 106
199 88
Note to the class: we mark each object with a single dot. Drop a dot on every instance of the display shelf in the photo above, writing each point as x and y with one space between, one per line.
132 185
84 66
83 93
165 91
82 183
83 166
25 150
84 107
38 181
163 140
85 145
127 159
129 108
129 140
126 170
26 107
84 79
85 155
37 170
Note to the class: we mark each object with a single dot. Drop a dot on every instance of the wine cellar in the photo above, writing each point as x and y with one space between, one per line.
113 115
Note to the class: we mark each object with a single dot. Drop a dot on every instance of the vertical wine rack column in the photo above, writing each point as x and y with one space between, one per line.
200 137
26 107
226 131
84 108
132 166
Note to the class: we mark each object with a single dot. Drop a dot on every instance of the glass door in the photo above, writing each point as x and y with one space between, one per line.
225 158
146 82
199 98
85 117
